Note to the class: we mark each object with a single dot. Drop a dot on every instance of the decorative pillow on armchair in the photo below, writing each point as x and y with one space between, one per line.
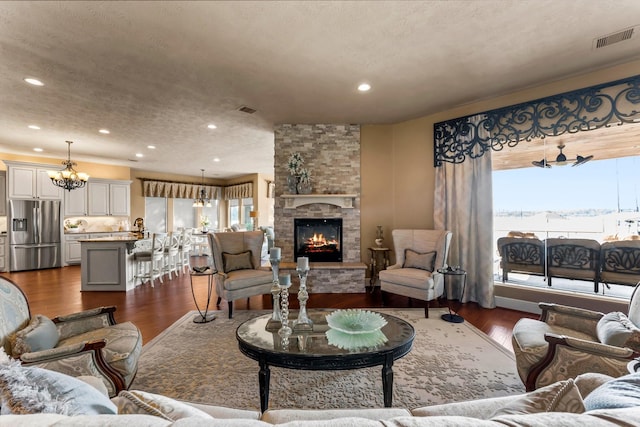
423 261
40 334
240 261
616 329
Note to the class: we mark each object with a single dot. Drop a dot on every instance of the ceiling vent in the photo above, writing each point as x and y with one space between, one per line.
246 109
616 37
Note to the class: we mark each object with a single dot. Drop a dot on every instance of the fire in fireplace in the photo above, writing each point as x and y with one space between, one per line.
320 239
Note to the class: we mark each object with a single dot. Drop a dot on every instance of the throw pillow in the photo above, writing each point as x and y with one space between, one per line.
141 402
616 329
561 396
32 390
623 392
40 334
240 261
423 261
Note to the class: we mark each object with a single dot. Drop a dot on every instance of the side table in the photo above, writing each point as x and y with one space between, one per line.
379 261
455 281
203 316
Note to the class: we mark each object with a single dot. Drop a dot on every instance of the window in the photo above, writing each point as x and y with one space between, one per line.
234 212
184 214
247 206
212 214
155 212
239 212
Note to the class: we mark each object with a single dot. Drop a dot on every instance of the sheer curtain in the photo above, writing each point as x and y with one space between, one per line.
464 205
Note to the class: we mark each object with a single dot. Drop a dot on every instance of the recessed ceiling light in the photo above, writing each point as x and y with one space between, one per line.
34 127
151 147
104 131
364 87
215 159
139 155
212 126
33 81
39 150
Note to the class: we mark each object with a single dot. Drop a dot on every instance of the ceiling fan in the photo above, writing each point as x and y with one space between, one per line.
561 160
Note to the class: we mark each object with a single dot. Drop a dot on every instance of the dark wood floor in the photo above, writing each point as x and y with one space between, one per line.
56 291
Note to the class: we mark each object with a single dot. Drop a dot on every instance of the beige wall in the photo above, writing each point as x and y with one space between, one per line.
96 170
397 159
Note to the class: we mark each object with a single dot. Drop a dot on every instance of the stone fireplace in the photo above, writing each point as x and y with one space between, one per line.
332 155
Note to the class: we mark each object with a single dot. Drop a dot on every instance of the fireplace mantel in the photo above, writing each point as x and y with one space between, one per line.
292 201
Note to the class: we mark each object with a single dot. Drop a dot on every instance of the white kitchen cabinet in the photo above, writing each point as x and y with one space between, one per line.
3 194
75 202
109 198
30 181
72 248
3 253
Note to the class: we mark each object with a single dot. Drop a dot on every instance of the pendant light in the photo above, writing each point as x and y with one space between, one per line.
202 200
68 178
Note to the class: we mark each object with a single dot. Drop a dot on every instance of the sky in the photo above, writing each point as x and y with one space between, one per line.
598 184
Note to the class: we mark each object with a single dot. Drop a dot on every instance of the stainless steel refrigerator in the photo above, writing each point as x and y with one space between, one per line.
34 234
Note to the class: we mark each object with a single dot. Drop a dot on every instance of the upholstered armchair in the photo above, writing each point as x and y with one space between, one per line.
569 341
419 255
236 258
84 343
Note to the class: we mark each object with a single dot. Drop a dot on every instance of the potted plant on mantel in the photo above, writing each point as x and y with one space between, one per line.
299 179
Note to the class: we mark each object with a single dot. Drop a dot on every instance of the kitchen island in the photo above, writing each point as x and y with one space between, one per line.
107 263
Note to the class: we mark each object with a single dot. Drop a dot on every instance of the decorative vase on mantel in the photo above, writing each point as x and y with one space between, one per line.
296 185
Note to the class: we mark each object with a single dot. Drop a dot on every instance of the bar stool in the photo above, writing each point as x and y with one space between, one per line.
171 254
150 263
186 243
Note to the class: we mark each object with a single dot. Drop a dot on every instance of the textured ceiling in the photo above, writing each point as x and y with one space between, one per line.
159 72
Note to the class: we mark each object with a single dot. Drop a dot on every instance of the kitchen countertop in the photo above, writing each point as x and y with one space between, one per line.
111 239
93 232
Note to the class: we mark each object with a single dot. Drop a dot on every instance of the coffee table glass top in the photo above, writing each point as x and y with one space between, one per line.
254 333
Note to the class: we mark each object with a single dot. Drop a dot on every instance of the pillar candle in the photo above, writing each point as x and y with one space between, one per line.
285 280
274 253
303 263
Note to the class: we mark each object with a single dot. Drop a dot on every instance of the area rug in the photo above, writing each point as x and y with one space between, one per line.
449 362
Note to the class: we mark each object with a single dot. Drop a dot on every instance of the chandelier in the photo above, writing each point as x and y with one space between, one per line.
203 200
68 178
561 160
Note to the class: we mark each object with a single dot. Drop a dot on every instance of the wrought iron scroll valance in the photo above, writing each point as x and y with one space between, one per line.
613 103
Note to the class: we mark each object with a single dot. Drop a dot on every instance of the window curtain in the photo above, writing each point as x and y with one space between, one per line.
464 205
238 191
177 190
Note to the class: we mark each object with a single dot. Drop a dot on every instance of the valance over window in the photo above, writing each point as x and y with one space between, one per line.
177 190
238 191
585 109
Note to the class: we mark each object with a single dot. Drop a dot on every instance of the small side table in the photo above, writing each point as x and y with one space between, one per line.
379 261
453 280
203 316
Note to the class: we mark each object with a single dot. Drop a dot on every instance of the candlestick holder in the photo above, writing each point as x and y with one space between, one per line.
275 322
285 330
303 323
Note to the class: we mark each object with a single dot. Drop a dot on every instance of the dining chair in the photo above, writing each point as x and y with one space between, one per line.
150 263
171 254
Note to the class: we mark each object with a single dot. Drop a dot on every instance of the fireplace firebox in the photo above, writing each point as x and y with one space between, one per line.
320 239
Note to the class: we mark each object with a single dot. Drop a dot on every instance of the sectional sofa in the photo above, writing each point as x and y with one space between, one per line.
37 397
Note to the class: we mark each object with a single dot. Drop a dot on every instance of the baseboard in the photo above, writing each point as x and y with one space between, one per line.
519 305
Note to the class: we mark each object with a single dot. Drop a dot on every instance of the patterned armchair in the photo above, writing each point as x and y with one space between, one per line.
569 341
85 343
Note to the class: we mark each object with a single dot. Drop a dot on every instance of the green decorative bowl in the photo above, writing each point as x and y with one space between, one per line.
354 322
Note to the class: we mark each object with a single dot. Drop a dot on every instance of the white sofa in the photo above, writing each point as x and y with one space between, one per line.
565 403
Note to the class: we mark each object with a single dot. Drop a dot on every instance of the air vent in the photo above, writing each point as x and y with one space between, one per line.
246 109
610 39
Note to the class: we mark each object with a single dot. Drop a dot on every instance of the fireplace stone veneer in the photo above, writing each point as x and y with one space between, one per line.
332 155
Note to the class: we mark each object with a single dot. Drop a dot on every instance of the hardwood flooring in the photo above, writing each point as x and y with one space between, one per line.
56 291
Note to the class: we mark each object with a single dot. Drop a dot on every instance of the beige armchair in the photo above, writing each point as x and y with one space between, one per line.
419 255
569 341
85 343
236 258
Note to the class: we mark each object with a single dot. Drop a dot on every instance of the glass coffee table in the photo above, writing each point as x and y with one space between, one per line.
312 351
